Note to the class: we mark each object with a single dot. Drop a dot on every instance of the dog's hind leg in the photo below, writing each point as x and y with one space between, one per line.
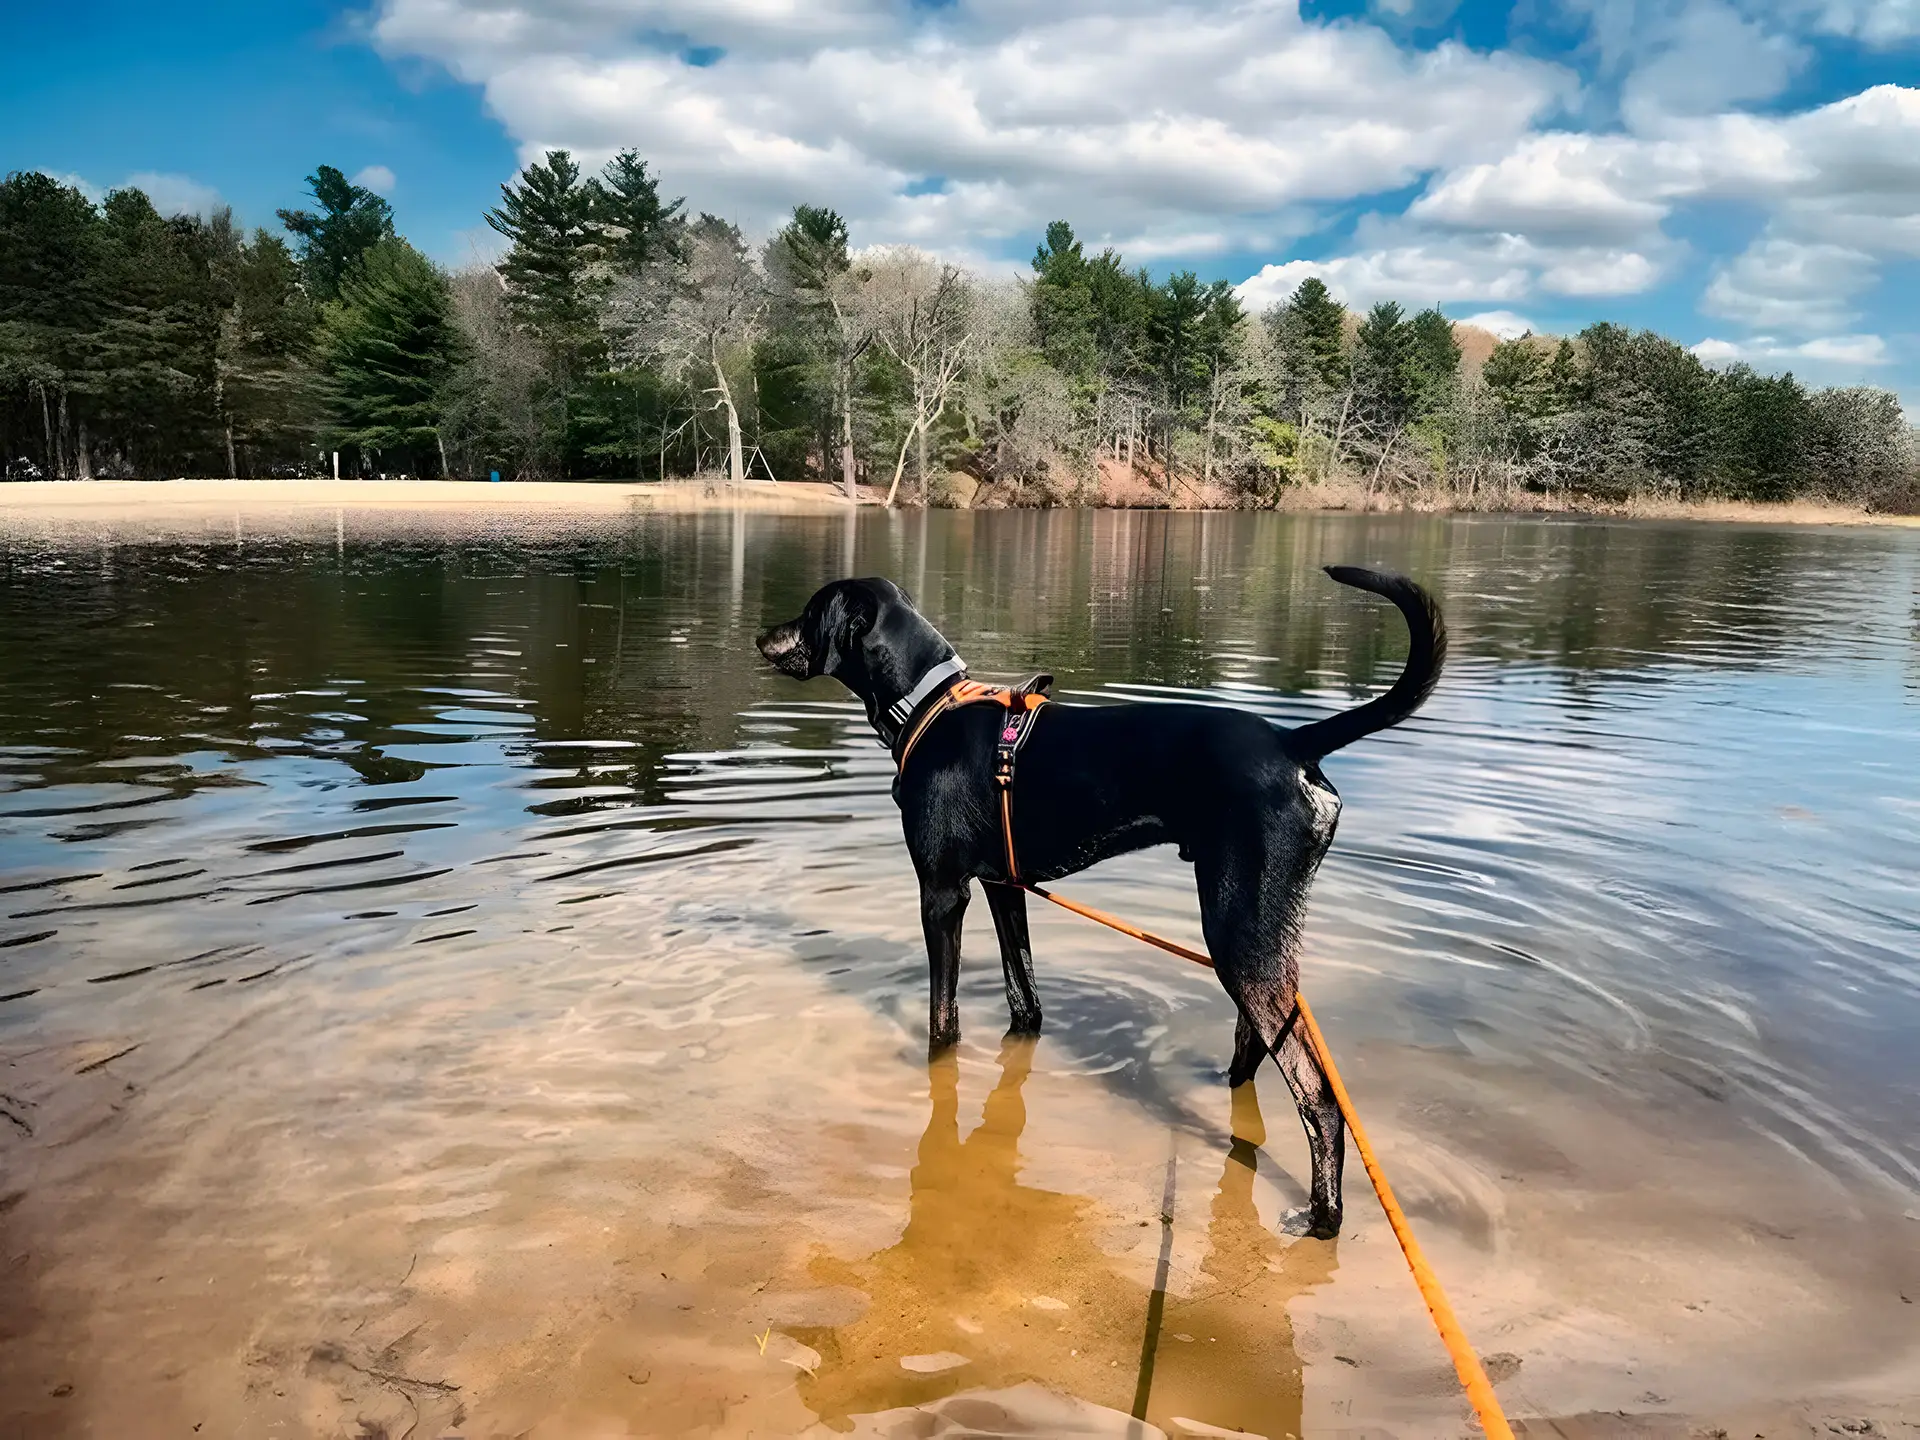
1253 890
942 909
1009 906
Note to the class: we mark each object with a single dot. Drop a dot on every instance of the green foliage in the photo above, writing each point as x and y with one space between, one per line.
634 226
1434 362
617 335
550 216
1313 333
385 348
1385 379
351 220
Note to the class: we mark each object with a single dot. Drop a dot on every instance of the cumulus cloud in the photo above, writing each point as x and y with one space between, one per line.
1562 213
170 194
1503 323
176 194
377 178
1153 126
1873 22
1174 129
1407 263
1701 58
1828 350
1790 284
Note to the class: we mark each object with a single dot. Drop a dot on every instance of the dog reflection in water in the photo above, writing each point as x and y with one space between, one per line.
995 1282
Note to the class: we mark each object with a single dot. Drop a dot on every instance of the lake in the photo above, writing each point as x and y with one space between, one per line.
450 986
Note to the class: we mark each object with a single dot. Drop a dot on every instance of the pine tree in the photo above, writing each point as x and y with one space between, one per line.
805 369
385 348
634 227
50 301
350 221
1315 326
1064 319
549 215
149 366
264 382
1435 361
1384 380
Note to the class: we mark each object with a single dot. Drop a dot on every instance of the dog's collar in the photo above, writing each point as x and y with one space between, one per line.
902 709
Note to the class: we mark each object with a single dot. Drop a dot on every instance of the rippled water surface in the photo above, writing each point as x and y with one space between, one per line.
449 987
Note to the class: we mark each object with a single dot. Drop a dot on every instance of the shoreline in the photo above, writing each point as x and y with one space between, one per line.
39 503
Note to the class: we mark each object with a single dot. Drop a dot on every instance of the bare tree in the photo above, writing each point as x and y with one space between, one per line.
921 311
696 318
1020 414
499 404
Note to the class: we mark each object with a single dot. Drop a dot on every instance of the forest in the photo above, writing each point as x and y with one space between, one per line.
622 336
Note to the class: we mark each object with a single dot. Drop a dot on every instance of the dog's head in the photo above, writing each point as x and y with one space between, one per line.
864 633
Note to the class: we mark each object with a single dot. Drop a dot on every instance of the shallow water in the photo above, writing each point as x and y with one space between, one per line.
449 986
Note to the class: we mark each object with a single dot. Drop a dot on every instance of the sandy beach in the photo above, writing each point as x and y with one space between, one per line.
188 509
220 505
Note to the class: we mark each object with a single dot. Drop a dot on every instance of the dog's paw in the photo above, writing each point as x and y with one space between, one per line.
1304 1223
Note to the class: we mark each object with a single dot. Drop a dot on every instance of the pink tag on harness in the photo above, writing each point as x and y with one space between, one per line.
1009 735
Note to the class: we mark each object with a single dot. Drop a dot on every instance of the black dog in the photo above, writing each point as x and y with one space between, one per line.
1245 802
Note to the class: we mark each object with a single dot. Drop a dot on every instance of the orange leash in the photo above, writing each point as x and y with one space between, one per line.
1466 1364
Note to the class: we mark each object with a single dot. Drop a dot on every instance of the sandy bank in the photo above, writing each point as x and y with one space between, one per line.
130 499
188 507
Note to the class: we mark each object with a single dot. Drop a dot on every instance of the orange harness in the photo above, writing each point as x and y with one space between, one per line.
1022 703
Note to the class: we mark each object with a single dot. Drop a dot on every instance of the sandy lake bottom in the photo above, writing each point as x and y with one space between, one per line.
449 988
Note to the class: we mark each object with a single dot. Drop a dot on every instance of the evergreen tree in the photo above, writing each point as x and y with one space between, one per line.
1762 427
1385 379
804 369
635 228
1314 333
50 301
386 347
557 285
1064 317
149 368
1435 361
350 221
549 215
263 379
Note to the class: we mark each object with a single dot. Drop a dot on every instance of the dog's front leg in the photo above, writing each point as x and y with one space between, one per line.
1009 906
942 908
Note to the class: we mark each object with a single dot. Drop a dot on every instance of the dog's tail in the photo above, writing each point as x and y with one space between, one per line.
1428 651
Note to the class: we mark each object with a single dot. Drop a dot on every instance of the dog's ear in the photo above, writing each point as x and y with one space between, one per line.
849 615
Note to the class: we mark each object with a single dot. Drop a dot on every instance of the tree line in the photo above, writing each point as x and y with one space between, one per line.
622 336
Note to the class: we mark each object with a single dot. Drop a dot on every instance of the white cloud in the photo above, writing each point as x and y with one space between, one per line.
1173 129
377 178
1790 284
1148 124
1419 267
170 194
1703 57
175 194
1504 323
1766 352
1874 22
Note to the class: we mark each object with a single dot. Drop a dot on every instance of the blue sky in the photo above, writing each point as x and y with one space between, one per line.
1741 174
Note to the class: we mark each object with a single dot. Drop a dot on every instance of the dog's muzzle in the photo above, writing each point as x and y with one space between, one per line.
785 650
